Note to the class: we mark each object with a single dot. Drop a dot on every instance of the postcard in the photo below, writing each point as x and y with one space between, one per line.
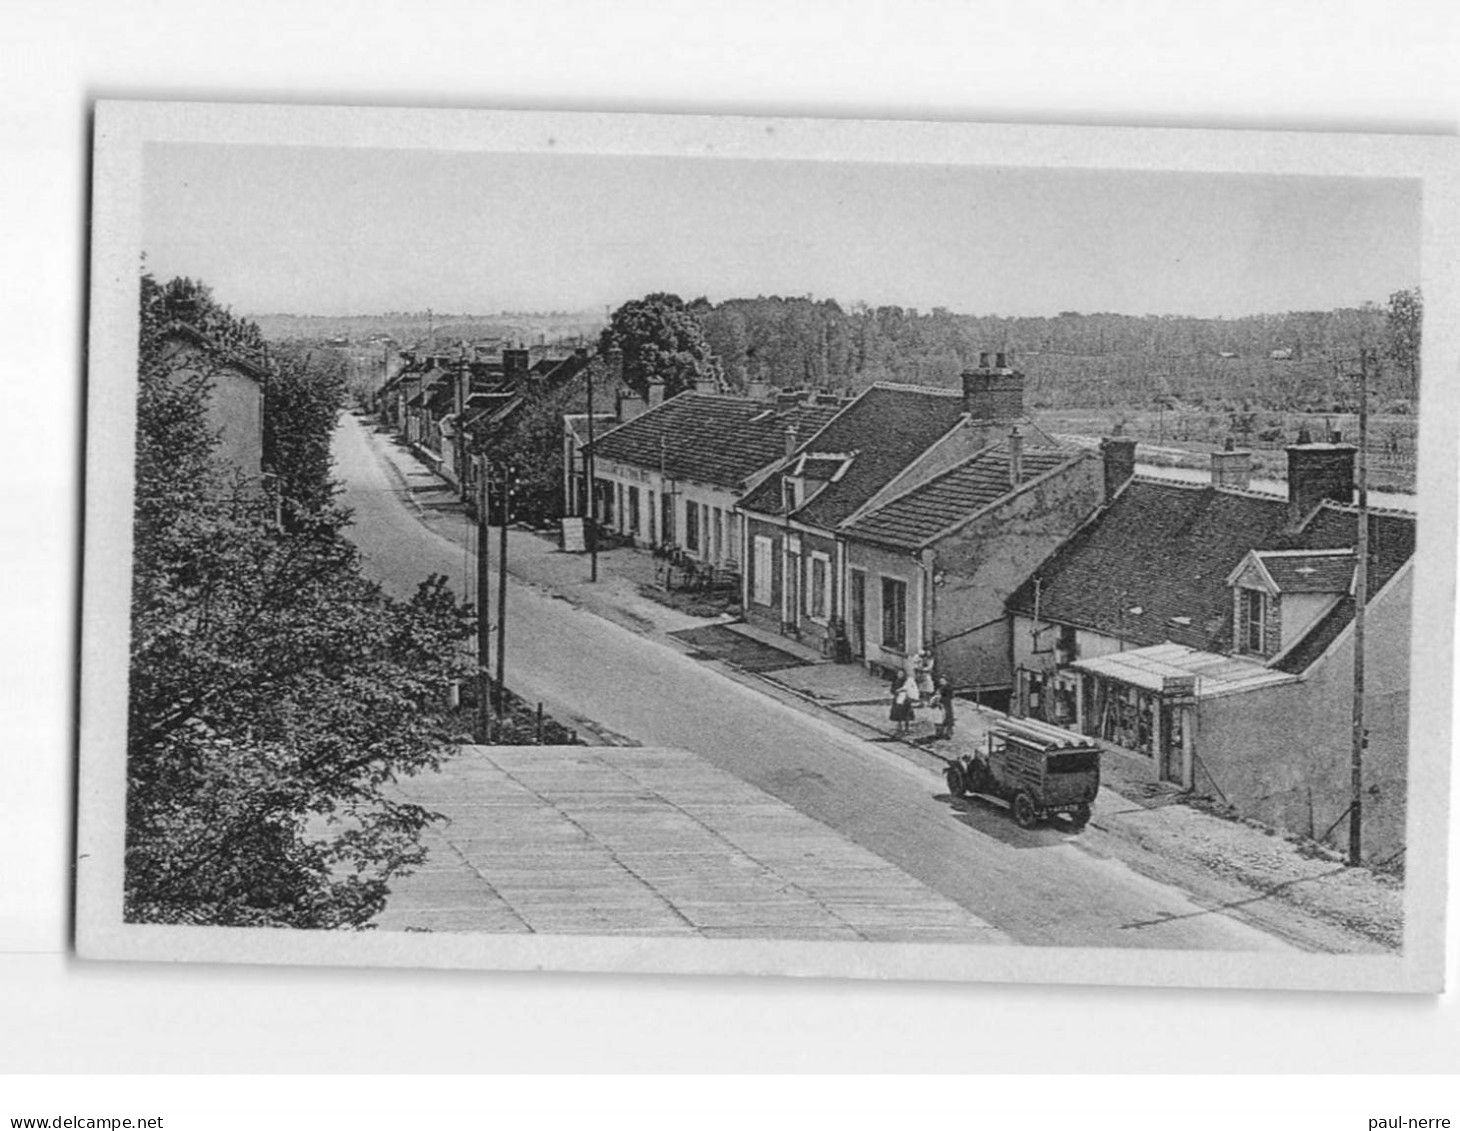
635 543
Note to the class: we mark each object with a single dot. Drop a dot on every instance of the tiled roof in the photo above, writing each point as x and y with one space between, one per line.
1324 572
888 427
709 438
913 519
1153 565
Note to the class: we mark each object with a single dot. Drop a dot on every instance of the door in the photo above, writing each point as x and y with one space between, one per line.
857 614
1174 718
791 610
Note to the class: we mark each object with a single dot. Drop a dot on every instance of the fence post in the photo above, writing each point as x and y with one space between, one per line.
539 724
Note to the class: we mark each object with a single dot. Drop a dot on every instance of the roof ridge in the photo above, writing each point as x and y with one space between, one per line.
1349 550
903 387
1353 509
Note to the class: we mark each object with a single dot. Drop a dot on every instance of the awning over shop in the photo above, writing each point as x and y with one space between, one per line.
1177 669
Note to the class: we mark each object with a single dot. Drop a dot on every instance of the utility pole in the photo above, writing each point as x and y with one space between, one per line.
502 593
589 529
1361 599
484 629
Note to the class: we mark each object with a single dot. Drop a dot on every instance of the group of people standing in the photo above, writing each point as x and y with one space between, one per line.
918 687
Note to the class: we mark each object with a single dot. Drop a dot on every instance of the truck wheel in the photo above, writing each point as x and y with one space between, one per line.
1080 817
1024 811
953 775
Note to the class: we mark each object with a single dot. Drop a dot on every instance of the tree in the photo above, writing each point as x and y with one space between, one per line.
661 341
274 692
1403 326
531 442
302 402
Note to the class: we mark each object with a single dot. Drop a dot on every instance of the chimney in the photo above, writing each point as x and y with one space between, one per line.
1119 454
1016 457
656 393
707 386
630 405
514 364
792 442
615 367
993 393
758 390
1232 468
463 386
1317 472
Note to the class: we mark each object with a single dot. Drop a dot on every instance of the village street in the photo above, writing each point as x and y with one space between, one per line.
1042 886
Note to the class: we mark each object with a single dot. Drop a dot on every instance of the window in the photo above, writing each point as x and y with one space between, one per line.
1067 645
788 486
818 592
1253 620
760 572
633 510
894 614
691 525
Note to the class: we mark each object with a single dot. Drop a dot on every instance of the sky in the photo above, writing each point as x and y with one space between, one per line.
312 230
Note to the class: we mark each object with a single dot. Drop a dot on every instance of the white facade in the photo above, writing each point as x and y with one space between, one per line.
660 510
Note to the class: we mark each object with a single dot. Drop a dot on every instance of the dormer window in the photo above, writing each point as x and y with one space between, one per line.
791 494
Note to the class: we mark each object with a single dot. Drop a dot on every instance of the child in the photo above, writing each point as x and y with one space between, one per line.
945 701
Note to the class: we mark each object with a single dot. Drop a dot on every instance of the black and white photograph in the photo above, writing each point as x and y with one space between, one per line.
767 546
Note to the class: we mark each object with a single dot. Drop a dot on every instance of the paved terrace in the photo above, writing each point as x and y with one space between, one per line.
643 841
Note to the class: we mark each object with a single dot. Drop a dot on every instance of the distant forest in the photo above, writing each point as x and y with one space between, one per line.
408 329
1095 360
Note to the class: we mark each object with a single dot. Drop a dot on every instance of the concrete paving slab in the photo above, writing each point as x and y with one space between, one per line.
647 842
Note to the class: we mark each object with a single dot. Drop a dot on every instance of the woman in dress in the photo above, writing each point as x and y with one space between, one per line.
923 673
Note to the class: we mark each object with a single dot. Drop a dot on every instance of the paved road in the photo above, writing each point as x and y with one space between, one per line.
1040 886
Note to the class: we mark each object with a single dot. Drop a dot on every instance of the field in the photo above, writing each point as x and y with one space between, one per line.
1185 438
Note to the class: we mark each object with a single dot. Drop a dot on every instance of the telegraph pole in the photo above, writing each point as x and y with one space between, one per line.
484 629
502 593
589 530
1361 599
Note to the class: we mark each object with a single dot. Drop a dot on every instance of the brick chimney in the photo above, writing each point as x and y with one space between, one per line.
630 405
993 392
615 367
707 386
1119 454
656 393
514 364
1016 457
1232 468
758 390
792 439
1317 472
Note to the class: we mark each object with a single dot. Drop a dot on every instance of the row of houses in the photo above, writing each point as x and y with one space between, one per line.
447 406
1203 632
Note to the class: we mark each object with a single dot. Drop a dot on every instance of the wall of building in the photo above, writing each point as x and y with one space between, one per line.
763 615
878 563
976 569
1282 755
815 632
652 495
236 410
235 407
